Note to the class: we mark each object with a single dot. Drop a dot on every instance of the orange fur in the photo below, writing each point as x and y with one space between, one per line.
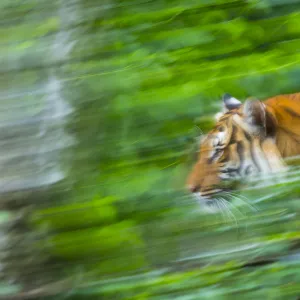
282 112
285 111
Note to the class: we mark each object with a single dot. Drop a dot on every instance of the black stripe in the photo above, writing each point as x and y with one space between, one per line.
233 135
290 111
215 155
247 136
240 148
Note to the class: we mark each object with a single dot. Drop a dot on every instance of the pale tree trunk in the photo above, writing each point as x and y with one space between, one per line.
35 147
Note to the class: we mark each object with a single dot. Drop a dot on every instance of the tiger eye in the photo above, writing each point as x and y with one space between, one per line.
221 129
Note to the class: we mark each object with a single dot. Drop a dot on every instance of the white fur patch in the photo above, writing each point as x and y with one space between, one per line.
221 136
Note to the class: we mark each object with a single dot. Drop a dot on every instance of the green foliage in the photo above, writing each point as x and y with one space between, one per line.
94 241
77 215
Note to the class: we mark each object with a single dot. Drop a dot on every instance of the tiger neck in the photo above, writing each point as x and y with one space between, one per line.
284 127
272 155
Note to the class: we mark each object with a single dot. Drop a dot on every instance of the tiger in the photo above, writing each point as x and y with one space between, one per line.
248 139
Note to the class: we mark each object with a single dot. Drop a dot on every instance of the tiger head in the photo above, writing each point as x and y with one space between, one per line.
241 144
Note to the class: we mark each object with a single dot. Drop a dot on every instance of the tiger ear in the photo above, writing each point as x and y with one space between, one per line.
231 102
255 113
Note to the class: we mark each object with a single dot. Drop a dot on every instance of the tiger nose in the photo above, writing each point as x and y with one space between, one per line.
193 188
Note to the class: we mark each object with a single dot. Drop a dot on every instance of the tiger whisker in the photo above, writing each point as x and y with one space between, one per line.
238 197
235 208
200 130
229 211
224 208
221 210
238 211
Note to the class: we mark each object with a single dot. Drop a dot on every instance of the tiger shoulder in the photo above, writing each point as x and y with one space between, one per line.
283 113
